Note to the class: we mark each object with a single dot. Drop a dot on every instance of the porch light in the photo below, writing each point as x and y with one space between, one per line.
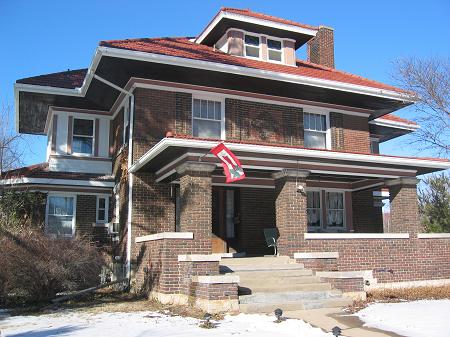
336 331
278 313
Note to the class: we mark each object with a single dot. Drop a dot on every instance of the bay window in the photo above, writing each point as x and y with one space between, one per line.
251 46
83 136
60 216
207 119
335 209
274 48
315 127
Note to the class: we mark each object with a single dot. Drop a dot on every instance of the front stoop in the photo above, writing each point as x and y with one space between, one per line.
268 283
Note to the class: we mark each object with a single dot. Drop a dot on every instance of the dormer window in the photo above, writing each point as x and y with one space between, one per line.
274 48
83 136
252 47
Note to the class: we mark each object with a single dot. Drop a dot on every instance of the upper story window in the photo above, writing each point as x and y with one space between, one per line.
274 48
60 216
252 47
207 119
315 126
83 136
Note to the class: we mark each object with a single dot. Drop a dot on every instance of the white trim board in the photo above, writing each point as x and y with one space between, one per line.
433 235
64 182
165 235
317 255
354 236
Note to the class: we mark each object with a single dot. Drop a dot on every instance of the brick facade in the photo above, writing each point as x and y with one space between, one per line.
356 134
366 217
337 131
290 210
321 47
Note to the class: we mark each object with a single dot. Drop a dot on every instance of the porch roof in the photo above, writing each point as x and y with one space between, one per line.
262 160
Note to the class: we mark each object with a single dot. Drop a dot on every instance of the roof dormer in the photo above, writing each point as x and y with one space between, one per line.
245 33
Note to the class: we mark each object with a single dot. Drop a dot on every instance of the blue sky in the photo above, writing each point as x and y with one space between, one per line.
45 36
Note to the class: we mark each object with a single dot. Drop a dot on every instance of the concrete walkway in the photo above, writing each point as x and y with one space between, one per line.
328 318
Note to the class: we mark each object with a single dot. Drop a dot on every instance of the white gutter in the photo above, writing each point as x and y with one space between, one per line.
130 186
249 19
394 124
273 150
50 181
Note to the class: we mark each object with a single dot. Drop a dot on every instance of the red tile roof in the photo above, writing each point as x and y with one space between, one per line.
42 171
69 79
395 118
183 47
248 12
186 136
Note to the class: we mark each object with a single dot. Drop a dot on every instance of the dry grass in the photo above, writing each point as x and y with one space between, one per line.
401 295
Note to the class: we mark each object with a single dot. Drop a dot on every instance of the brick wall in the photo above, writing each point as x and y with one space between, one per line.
321 47
404 213
356 134
267 123
337 131
257 212
86 217
410 259
366 217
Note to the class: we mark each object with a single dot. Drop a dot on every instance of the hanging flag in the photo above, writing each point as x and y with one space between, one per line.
231 165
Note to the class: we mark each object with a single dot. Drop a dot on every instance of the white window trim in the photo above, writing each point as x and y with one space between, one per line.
323 220
282 49
93 138
106 197
215 98
327 124
259 46
126 123
74 217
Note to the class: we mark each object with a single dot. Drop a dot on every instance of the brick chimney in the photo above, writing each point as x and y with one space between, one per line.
321 47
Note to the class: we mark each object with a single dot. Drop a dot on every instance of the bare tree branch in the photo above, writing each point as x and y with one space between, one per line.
430 79
11 153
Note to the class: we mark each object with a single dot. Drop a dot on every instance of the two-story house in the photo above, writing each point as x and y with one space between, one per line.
128 157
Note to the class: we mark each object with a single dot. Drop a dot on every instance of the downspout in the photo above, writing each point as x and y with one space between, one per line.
130 162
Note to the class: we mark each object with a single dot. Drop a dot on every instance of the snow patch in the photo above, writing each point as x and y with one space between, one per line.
426 318
153 324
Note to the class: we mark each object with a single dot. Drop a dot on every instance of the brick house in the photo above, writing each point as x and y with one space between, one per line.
128 160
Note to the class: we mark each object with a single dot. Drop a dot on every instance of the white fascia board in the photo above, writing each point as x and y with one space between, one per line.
47 181
259 73
394 124
249 19
204 144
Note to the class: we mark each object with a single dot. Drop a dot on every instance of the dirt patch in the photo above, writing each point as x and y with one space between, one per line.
401 295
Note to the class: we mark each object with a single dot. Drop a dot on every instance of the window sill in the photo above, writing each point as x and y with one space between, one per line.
100 224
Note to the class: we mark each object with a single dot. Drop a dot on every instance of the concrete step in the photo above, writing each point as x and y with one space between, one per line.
282 297
254 279
270 288
226 268
257 261
278 273
291 306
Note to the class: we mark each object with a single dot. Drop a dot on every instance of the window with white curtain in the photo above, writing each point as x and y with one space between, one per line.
335 209
206 118
313 209
60 216
315 126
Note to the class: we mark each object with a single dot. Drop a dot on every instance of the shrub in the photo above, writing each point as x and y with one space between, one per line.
36 267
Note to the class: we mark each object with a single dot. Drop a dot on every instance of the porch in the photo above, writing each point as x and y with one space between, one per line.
294 190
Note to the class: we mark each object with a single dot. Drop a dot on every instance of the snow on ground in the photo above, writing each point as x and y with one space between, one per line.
425 318
146 323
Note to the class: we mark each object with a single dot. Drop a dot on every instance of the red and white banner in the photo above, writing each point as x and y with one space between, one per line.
231 165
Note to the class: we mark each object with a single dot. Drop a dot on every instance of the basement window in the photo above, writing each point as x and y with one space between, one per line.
83 136
251 43
274 48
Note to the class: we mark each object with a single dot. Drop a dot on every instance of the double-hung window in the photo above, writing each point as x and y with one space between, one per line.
83 136
102 209
274 48
313 209
335 209
315 126
207 118
60 216
252 47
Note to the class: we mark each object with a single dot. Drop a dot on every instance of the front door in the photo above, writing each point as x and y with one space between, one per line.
225 219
